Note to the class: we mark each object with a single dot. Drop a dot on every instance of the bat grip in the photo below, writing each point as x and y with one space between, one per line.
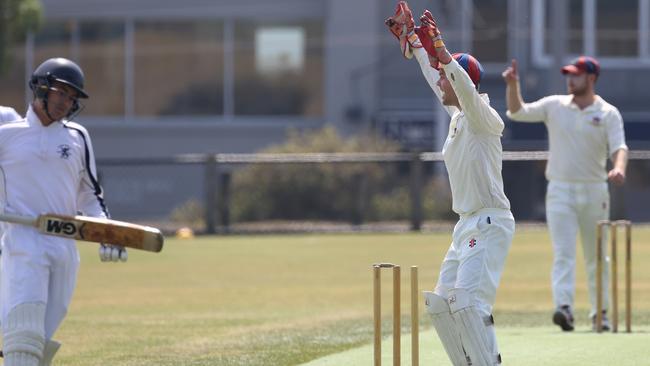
17 219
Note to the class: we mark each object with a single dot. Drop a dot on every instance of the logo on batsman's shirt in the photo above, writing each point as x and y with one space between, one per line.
64 151
472 243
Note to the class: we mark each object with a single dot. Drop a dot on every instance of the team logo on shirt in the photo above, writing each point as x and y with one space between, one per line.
472 243
452 300
596 121
64 151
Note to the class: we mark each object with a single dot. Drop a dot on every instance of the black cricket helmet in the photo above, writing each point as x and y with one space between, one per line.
61 70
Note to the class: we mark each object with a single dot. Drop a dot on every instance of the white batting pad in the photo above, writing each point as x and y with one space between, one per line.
446 328
24 335
51 347
478 341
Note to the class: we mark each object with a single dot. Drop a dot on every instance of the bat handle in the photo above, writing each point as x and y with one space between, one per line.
17 219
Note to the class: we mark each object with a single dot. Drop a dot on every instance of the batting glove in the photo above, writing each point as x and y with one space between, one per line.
403 28
112 253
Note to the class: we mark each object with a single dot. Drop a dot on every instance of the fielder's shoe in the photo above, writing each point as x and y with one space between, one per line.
564 318
605 327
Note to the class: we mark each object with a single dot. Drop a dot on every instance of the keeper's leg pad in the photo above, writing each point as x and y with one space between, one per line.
446 328
51 347
476 332
24 335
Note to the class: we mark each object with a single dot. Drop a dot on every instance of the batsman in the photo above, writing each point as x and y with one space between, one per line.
48 165
461 303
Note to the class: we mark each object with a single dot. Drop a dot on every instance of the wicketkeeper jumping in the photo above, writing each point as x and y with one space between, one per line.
461 304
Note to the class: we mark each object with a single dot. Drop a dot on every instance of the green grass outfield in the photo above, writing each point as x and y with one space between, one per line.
294 299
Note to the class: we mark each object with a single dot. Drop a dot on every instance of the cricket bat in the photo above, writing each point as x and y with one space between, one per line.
93 229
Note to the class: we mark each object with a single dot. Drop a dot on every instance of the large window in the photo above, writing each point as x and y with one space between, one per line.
617 28
575 35
614 31
98 48
53 40
191 67
101 55
490 30
14 81
178 68
278 69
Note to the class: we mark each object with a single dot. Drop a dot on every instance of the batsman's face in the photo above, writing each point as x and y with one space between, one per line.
60 100
449 97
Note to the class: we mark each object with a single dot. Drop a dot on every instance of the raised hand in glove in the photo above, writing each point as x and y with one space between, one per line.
403 28
431 39
112 253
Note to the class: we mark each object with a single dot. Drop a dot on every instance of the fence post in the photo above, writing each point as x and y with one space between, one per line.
224 201
210 185
416 192
362 198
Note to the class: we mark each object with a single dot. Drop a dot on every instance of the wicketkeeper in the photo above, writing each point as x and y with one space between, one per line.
461 304
49 166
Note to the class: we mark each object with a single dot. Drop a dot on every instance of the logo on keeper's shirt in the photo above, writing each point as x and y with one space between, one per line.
64 151
472 243
451 300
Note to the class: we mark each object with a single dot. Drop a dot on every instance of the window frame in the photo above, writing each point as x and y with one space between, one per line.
541 58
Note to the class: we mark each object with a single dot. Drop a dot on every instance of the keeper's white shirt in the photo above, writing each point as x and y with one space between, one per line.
48 169
472 151
579 139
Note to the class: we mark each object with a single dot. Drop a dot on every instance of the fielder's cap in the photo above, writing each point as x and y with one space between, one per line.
471 66
583 64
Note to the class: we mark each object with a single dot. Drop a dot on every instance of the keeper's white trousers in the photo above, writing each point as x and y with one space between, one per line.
476 256
37 268
571 207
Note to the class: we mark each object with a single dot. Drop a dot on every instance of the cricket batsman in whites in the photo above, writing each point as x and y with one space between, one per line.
461 304
49 166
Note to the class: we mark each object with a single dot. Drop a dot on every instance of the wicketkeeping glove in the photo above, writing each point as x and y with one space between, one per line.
403 28
112 253
430 37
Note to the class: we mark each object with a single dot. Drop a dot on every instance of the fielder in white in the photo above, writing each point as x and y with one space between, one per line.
583 131
8 114
461 304
48 166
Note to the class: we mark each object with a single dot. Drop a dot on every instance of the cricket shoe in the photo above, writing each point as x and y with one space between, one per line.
605 324
564 318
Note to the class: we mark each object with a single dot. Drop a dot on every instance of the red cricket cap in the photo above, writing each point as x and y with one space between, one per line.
583 64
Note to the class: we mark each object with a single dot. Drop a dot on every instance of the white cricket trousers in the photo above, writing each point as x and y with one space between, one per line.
569 207
37 268
476 256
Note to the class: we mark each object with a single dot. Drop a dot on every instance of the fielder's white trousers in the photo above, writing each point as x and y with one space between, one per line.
476 256
571 207
37 268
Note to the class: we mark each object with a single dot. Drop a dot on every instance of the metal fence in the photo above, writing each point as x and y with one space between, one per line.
217 173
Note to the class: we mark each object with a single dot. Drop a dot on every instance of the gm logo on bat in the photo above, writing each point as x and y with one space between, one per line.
61 227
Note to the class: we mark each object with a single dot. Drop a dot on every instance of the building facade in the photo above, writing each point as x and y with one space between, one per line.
210 76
